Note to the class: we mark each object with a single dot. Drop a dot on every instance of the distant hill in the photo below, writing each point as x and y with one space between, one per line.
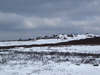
94 40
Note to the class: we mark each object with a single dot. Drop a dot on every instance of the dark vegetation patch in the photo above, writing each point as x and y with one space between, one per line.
45 57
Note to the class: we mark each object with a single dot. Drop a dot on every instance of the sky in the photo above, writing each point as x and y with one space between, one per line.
28 18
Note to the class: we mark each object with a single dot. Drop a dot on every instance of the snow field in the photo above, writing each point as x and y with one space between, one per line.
64 68
95 49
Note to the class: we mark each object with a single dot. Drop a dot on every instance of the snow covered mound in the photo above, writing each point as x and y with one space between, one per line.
50 39
76 36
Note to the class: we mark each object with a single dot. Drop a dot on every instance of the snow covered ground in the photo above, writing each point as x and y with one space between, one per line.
37 68
34 61
26 63
62 38
95 49
41 41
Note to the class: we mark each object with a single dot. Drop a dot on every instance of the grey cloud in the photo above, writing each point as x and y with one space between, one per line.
16 21
49 16
10 20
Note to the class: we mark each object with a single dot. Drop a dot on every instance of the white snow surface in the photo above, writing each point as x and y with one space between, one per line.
62 38
95 49
41 41
37 68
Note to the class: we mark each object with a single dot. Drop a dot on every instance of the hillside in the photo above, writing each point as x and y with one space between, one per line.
69 40
52 55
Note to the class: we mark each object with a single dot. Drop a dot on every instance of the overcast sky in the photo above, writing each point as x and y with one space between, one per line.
26 18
